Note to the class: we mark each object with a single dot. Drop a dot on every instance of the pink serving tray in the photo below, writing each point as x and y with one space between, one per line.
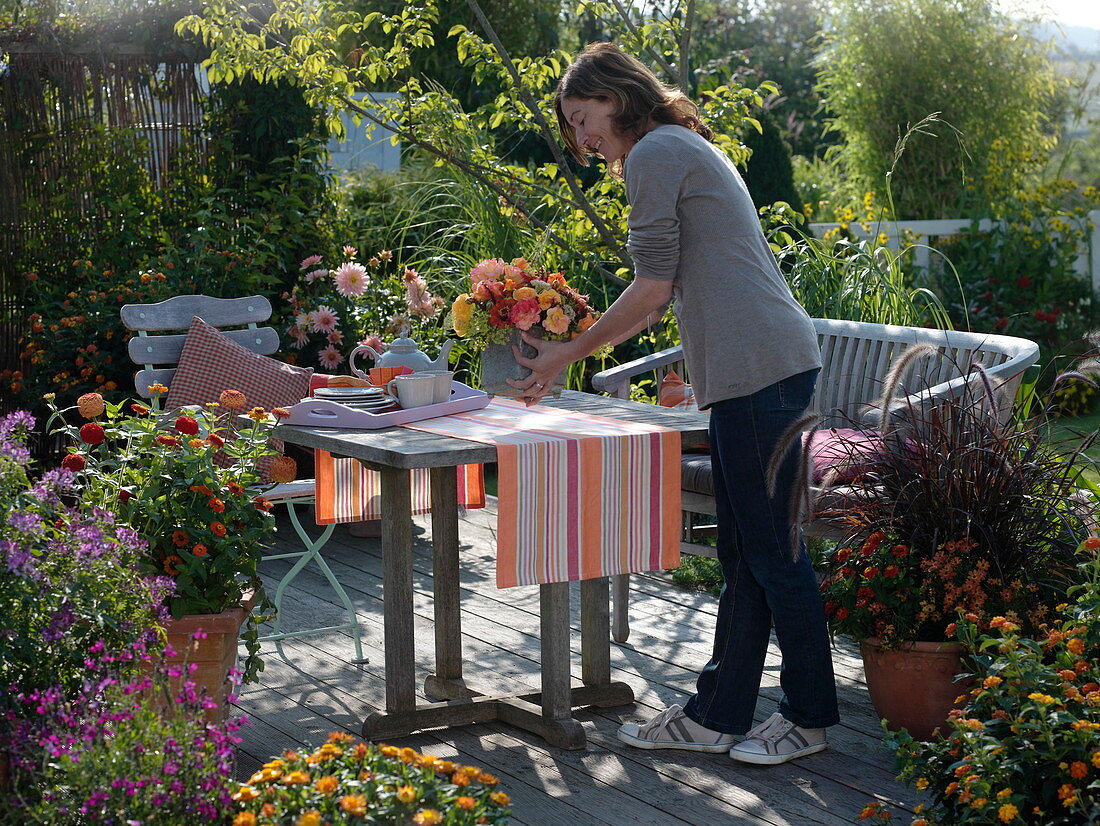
325 413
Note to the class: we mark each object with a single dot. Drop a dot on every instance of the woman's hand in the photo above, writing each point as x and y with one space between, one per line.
551 357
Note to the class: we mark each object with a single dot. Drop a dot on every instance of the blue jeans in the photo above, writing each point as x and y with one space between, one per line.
764 581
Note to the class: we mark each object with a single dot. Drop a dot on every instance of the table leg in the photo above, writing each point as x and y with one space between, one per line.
446 683
595 632
397 590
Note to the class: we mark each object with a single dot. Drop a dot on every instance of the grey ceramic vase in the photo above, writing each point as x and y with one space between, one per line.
498 364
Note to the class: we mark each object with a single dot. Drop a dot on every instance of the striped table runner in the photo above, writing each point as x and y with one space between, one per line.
349 492
580 496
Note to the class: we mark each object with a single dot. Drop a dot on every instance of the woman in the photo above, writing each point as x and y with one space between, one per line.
753 358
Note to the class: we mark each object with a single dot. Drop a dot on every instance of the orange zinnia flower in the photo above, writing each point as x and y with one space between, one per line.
180 539
171 564
235 488
90 405
215 504
200 550
262 503
233 399
203 489
283 469
218 528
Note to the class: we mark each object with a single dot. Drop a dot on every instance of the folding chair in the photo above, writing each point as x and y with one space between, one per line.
159 354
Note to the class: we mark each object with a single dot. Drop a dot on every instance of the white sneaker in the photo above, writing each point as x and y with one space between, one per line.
778 740
672 729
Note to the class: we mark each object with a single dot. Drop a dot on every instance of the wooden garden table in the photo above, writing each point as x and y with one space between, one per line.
393 452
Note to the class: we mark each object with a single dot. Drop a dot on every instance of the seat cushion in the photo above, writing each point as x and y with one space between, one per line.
842 452
673 391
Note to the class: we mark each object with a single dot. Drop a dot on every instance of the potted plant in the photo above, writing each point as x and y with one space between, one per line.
349 782
1022 747
508 298
191 487
955 513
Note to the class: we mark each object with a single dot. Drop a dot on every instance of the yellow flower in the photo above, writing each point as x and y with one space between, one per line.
500 798
462 311
1046 699
525 292
245 794
427 817
922 783
406 794
465 802
245 819
157 389
1007 812
549 298
408 755
992 682
296 778
310 818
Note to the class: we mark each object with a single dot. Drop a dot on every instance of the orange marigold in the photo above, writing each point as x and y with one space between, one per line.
354 804
245 819
406 794
327 784
427 817
465 802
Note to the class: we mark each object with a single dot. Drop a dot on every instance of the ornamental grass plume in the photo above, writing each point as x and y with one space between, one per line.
349 782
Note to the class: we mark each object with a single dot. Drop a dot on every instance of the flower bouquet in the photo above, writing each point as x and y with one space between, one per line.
348 782
191 487
508 298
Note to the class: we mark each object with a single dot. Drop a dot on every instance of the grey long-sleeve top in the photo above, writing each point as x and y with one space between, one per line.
692 220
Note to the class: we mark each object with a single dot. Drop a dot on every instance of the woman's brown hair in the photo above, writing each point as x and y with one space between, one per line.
604 71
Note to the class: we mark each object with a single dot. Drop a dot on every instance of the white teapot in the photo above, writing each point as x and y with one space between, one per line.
401 352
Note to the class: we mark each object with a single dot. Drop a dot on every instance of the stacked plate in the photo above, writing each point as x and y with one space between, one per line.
373 399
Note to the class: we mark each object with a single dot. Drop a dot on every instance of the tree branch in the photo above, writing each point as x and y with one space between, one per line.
551 141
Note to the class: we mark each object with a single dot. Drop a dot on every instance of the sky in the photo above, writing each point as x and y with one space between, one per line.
1075 12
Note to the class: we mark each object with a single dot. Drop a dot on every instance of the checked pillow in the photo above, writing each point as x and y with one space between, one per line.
212 362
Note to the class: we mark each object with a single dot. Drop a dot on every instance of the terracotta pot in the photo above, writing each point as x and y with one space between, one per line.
214 655
912 686
498 364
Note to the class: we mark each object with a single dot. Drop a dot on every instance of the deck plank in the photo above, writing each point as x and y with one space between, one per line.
310 687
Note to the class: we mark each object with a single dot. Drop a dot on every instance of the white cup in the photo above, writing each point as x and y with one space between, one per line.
443 380
412 389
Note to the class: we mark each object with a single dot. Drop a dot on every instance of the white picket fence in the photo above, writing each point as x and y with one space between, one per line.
926 235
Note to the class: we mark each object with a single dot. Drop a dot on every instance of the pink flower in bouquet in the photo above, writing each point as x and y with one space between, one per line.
556 321
525 314
330 358
315 275
310 261
324 319
351 278
491 268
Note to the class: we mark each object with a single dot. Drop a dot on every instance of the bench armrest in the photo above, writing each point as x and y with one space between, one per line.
615 381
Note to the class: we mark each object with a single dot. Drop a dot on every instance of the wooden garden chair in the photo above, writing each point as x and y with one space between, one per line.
157 346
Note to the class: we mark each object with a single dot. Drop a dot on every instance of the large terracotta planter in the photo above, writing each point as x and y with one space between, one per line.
912 686
498 364
214 654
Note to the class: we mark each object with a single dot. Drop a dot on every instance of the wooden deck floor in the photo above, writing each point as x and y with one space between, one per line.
310 688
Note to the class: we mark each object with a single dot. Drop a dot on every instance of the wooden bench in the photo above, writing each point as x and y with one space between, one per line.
856 356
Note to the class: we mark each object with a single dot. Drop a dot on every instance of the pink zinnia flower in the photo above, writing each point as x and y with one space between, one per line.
350 278
324 319
556 321
490 268
314 275
525 314
330 358
311 261
350 251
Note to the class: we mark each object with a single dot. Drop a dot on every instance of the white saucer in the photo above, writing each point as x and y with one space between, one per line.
349 393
